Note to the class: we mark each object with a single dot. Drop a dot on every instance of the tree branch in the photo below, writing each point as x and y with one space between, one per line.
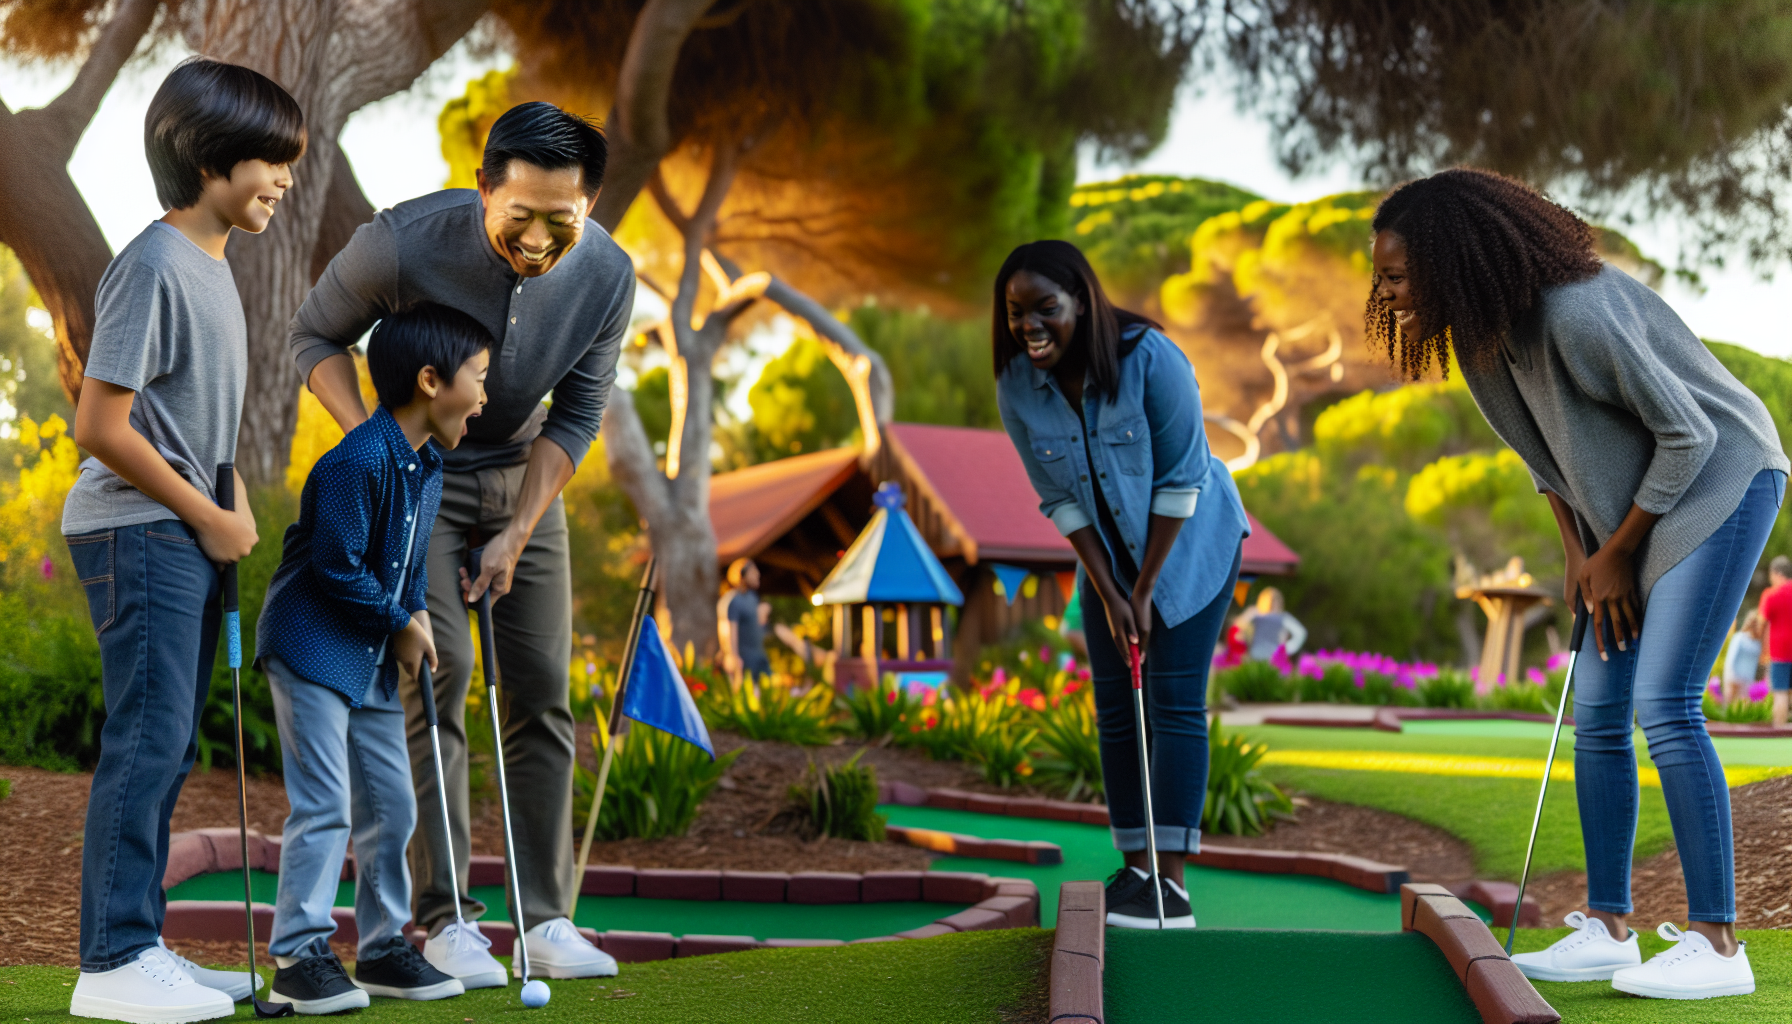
631 459
639 133
73 110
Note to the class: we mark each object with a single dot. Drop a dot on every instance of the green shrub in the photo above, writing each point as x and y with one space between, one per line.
841 802
1336 685
1255 682
874 713
657 783
1003 753
1070 761
1448 689
1240 801
772 709
1379 688
50 694
5 788
1522 695
1739 710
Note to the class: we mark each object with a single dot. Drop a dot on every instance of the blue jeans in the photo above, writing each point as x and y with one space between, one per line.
1662 677
348 774
154 601
1176 665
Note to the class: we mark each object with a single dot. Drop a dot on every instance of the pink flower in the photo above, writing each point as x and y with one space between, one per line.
1715 688
1045 655
1070 664
1759 691
1556 660
48 568
999 679
1536 677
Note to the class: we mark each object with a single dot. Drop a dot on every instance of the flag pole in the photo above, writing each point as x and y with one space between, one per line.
643 602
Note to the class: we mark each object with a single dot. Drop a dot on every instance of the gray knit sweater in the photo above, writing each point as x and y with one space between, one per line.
1611 400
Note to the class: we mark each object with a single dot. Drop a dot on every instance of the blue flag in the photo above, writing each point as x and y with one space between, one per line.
657 695
1012 576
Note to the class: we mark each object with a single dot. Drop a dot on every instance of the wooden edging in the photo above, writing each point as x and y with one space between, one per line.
958 845
1079 953
994 902
1500 991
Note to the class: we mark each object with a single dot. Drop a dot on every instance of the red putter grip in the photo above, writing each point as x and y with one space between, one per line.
1133 653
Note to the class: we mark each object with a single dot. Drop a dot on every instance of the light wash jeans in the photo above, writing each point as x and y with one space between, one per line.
347 774
1662 679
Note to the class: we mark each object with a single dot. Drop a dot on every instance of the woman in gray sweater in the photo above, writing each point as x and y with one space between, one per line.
1665 475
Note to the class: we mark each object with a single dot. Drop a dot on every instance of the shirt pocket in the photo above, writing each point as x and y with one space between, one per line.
1051 455
92 555
1127 449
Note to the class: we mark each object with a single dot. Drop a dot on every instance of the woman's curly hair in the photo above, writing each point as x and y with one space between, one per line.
1479 248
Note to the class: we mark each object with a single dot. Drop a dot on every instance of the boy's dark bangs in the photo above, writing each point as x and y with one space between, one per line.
268 126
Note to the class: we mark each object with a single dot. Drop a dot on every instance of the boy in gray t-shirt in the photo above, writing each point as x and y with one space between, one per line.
159 410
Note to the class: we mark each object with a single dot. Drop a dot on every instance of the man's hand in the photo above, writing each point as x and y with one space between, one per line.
496 565
227 537
414 644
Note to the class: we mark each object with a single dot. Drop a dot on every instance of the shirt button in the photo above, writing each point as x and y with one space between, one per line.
409 469
369 650
513 319
519 289
407 517
1085 479
394 565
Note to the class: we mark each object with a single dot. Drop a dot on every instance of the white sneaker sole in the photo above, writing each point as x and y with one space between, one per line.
422 993
493 978
136 1013
353 999
1712 991
560 972
234 984
1119 920
1539 972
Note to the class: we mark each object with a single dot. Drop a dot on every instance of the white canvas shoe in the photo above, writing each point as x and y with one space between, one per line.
152 989
1690 969
557 950
460 951
234 984
1589 953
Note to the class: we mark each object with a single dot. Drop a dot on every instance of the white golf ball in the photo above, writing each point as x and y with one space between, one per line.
535 994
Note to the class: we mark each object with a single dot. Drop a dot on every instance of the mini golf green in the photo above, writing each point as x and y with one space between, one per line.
1210 976
845 921
1221 899
1769 751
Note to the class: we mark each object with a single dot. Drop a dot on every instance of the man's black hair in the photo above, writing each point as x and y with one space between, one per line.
424 335
209 116
548 137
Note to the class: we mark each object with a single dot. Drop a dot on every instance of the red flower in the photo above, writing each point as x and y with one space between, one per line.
698 689
890 698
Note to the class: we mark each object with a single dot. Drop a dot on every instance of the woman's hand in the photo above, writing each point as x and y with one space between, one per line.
1123 622
1140 604
1607 581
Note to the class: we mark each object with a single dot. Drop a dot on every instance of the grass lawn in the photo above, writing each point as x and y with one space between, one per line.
1594 1002
1492 815
975 977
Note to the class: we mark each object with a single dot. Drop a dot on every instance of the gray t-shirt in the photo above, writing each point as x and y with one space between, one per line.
169 326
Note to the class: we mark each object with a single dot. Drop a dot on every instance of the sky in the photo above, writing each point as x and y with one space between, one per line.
394 148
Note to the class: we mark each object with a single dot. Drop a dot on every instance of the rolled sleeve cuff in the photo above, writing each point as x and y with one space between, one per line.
1174 504
310 352
574 444
1070 517
396 618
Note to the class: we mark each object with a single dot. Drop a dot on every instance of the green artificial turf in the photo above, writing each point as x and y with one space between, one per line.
1594 1002
1292 977
1493 816
963 979
1221 899
1771 751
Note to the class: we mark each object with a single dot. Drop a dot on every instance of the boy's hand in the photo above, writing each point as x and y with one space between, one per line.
227 537
413 645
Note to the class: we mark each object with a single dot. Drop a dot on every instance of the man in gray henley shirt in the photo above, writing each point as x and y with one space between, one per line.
489 253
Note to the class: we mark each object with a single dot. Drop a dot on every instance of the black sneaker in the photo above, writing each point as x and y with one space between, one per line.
1130 904
316 984
396 970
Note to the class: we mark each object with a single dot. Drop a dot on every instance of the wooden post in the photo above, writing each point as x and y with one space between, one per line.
940 651
903 640
868 633
842 632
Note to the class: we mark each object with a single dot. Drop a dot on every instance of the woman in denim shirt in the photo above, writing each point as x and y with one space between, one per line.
1106 415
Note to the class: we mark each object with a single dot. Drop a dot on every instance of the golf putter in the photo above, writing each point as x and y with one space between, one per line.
1574 643
488 661
427 686
1138 704
227 601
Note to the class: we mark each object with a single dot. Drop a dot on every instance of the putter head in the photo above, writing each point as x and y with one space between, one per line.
266 1010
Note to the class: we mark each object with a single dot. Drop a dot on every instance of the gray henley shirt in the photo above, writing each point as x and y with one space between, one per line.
559 333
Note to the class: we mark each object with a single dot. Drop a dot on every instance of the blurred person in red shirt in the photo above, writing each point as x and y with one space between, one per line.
1776 608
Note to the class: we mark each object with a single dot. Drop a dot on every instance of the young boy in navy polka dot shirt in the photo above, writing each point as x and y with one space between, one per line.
344 619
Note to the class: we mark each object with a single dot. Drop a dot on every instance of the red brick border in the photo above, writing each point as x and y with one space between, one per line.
958 845
1079 954
1500 991
995 902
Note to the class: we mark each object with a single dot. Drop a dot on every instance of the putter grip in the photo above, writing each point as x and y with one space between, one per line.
226 494
1132 651
426 686
487 656
1580 626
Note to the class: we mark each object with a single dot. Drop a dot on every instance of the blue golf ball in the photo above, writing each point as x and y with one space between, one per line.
535 994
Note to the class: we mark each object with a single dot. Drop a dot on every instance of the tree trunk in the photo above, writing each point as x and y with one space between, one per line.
334 56
43 217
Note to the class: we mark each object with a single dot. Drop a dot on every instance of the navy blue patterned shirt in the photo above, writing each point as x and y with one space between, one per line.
335 600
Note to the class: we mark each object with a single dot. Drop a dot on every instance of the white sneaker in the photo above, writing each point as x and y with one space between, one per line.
234 984
460 951
1589 953
557 950
152 989
1690 969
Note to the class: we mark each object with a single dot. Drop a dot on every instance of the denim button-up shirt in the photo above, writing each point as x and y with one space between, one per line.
335 601
1143 451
